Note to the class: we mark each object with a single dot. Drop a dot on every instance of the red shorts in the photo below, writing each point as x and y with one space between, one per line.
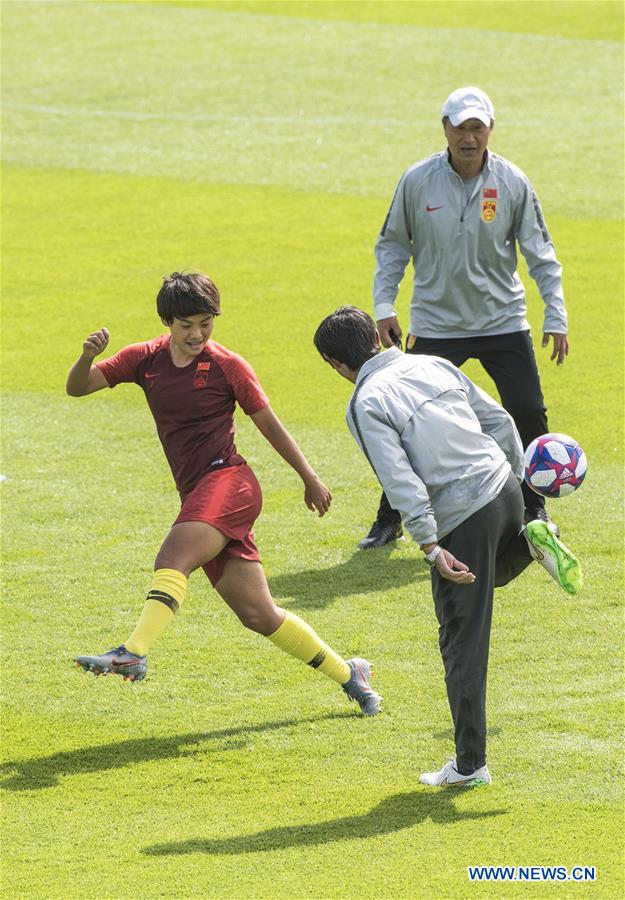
230 500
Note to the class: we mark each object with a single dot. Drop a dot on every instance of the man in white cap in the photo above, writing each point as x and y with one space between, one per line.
459 215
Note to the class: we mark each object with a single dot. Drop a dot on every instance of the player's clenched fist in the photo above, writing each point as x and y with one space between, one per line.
95 343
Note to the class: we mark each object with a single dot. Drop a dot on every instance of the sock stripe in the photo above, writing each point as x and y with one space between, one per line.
297 638
167 599
318 659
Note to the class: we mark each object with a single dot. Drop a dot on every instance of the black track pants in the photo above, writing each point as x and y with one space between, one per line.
490 543
509 360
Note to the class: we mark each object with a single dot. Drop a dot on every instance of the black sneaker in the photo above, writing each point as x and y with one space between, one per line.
541 513
381 533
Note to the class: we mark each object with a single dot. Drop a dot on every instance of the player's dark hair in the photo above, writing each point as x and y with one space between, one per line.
348 336
186 294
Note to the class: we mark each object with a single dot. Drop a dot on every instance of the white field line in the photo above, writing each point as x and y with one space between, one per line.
134 115
138 116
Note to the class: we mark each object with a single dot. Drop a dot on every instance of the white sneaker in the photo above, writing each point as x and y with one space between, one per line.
553 556
449 775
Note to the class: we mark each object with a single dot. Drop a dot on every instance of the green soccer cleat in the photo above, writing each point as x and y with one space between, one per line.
116 662
359 689
553 556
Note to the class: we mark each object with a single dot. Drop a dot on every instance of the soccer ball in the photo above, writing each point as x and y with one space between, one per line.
555 465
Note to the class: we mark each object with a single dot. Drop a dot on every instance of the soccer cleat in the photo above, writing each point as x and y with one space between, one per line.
116 662
449 775
381 533
541 513
553 556
359 689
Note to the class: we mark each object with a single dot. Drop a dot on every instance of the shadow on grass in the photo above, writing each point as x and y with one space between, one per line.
363 573
44 771
393 814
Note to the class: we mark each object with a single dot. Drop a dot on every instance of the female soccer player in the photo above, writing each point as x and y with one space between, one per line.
191 385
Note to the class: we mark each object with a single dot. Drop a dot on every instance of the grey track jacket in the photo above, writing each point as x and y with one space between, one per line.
440 446
464 252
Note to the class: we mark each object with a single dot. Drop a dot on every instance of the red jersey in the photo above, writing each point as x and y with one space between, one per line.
193 406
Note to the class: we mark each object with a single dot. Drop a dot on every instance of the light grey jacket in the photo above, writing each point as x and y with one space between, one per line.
464 251
440 446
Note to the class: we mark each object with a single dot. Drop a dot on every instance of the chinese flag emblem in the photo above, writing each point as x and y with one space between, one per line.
201 374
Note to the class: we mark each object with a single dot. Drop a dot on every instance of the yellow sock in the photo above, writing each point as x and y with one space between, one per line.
169 588
297 638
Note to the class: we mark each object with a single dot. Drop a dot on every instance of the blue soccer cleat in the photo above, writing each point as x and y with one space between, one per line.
359 689
116 662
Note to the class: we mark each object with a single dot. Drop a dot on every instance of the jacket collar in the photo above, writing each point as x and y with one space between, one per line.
446 158
384 358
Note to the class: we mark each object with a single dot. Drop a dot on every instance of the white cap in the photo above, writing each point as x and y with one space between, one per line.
468 103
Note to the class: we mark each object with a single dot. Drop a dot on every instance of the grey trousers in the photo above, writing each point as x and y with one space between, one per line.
490 543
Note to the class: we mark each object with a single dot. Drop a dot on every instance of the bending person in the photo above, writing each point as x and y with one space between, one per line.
450 460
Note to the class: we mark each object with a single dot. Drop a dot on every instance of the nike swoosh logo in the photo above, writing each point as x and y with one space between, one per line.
150 375
363 676
433 208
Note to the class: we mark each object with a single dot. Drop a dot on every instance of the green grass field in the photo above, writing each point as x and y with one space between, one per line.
262 142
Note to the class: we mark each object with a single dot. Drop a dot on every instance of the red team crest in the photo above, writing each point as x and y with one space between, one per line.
489 204
201 374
